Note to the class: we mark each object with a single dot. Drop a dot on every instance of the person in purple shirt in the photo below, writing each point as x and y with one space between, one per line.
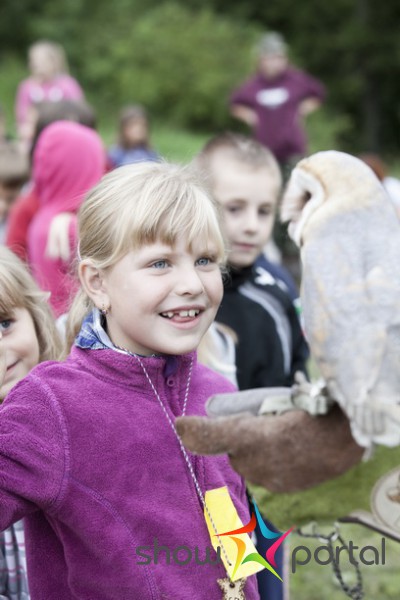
276 99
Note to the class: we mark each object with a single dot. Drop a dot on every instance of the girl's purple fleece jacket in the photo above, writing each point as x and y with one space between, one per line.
87 456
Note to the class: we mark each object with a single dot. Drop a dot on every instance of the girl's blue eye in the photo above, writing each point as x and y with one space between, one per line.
4 325
159 264
204 261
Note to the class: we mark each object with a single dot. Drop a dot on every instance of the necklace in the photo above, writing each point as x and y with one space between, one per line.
231 590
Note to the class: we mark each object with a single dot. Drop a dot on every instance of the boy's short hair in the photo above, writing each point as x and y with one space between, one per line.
241 148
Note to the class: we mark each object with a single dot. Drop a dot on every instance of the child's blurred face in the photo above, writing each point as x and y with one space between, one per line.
19 346
135 131
248 197
272 65
163 299
41 63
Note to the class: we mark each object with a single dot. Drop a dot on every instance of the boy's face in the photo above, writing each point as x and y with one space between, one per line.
248 197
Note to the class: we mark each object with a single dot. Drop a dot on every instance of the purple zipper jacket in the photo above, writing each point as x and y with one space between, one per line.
88 457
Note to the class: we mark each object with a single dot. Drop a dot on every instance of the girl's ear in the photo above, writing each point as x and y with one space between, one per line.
92 281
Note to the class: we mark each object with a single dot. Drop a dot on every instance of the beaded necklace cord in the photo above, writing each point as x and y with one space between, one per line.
181 446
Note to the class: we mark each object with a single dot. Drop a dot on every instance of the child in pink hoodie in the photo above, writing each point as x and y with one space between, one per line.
69 159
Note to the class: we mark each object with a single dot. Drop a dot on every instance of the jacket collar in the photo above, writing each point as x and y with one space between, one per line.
93 336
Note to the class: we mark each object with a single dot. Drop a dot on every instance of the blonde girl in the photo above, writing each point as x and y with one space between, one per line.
27 337
110 496
49 81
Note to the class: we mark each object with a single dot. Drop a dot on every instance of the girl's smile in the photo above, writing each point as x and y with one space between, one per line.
184 315
162 298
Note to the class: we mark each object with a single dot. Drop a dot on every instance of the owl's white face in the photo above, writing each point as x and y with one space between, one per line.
303 196
324 185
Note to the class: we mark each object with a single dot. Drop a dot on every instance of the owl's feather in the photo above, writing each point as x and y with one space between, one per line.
349 237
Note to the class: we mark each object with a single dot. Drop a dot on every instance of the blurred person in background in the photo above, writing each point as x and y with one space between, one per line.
48 81
14 172
133 144
275 100
274 103
27 203
68 160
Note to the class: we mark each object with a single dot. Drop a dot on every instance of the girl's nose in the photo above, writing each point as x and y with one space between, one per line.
189 282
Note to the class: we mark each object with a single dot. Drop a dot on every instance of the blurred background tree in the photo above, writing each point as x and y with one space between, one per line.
182 58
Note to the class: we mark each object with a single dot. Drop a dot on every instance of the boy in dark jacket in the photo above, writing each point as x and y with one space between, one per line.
258 302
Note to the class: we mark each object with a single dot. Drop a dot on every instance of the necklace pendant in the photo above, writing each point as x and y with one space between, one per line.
232 590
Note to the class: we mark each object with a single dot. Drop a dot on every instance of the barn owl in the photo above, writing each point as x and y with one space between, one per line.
349 238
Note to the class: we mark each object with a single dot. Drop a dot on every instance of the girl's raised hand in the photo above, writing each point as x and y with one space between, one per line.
58 240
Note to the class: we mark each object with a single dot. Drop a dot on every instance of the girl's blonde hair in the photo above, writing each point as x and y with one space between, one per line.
19 290
136 205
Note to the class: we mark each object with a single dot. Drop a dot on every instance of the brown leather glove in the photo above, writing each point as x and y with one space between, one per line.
283 453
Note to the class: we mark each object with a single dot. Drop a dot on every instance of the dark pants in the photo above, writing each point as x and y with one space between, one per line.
269 586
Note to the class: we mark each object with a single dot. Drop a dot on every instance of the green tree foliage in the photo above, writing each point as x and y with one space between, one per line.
181 59
179 62
351 45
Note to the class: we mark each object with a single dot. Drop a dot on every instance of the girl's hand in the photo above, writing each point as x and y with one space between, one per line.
245 114
58 239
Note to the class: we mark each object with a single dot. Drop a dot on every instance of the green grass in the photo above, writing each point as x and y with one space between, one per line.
177 145
316 582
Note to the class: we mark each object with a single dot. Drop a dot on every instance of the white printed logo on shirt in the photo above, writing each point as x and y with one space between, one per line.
272 98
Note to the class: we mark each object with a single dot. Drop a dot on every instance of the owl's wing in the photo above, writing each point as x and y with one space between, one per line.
351 306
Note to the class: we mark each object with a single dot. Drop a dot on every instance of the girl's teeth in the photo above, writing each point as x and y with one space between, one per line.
188 313
182 313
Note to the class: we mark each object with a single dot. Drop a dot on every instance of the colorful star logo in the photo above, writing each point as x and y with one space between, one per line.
269 561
